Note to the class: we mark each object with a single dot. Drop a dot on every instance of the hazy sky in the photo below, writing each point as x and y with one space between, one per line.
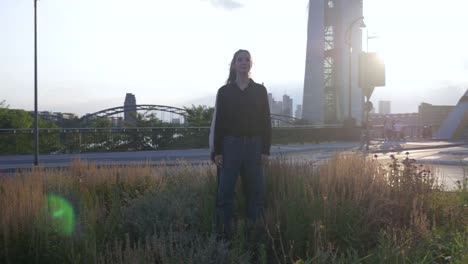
92 52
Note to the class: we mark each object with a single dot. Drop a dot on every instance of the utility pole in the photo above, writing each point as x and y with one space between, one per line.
36 121
350 122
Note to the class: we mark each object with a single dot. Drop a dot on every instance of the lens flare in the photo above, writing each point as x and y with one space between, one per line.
62 214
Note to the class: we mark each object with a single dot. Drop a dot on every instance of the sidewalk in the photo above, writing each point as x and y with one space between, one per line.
429 152
393 145
453 153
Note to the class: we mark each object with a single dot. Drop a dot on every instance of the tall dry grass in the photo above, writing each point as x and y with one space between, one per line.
346 209
345 202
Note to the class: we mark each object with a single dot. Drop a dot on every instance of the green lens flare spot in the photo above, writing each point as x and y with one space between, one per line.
62 214
58 213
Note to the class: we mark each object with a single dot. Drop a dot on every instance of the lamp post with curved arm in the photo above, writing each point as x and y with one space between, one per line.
373 36
349 33
36 121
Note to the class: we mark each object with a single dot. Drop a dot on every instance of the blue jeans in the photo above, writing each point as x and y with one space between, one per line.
240 152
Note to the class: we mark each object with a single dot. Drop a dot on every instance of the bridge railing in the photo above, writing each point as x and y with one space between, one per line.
408 132
79 140
76 140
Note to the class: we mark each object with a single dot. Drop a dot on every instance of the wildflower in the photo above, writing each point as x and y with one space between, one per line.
407 153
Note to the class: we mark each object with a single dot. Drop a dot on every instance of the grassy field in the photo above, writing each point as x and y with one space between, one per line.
346 210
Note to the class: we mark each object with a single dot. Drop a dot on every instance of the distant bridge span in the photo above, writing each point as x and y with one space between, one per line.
122 109
169 109
284 118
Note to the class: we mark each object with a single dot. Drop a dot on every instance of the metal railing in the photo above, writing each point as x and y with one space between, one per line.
407 132
78 140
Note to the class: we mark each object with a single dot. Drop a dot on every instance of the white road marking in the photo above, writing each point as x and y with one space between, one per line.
431 157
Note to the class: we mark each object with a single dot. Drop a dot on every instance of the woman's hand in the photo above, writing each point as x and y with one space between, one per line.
218 159
265 159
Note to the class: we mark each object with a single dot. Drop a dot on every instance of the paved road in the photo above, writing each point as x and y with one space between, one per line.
450 159
450 164
320 151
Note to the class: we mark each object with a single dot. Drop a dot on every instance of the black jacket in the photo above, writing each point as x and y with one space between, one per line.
242 113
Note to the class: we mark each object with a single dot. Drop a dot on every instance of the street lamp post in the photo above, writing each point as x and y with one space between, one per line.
368 107
349 33
36 125
368 103
369 37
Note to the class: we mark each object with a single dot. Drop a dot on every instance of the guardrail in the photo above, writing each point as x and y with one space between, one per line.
408 131
78 140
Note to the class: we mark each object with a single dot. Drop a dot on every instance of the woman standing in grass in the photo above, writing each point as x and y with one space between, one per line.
218 169
242 139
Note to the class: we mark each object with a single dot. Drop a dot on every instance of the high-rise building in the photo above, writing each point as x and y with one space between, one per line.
298 113
287 106
284 107
276 107
333 37
271 102
130 110
385 107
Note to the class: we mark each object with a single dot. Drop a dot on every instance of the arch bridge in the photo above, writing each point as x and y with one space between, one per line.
280 119
122 109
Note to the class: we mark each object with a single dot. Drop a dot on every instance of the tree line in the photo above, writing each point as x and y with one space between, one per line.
173 136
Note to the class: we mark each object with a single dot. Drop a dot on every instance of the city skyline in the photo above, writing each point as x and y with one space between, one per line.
277 107
167 54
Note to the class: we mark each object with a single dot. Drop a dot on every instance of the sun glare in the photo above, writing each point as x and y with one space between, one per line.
418 59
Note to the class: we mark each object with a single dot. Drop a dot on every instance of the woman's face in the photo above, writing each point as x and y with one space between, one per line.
242 63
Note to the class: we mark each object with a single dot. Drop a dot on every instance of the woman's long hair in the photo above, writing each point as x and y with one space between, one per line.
232 72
